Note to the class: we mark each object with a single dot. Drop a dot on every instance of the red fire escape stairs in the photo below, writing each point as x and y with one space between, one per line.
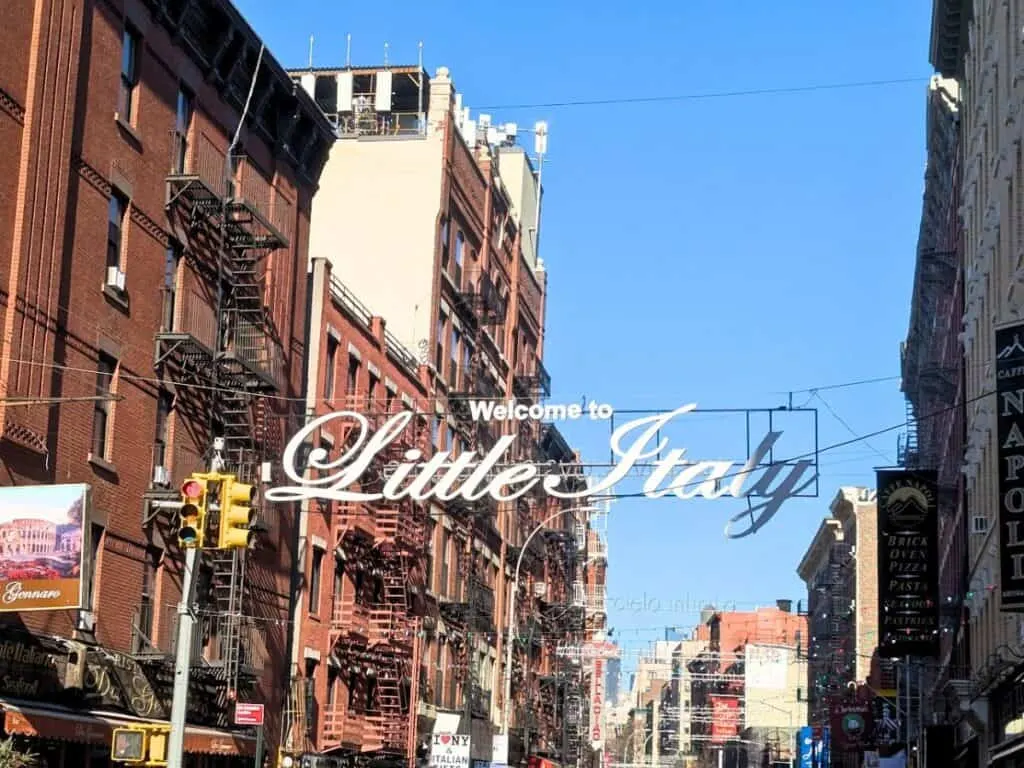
401 538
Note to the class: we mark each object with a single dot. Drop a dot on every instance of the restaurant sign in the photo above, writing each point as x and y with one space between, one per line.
41 553
41 669
765 484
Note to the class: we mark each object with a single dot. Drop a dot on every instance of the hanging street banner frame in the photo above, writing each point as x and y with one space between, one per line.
764 481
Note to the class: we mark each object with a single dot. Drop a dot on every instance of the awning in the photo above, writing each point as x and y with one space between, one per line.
96 727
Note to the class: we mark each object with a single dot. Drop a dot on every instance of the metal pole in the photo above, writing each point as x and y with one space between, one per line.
259 746
182 663
909 704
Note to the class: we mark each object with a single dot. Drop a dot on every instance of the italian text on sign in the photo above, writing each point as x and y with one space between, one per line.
449 750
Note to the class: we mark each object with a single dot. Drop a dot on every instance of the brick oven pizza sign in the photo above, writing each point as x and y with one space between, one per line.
450 750
41 553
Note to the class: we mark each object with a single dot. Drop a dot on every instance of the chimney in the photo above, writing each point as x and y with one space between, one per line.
442 97
784 605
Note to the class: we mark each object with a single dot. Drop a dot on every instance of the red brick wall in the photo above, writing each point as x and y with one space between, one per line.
54 259
368 339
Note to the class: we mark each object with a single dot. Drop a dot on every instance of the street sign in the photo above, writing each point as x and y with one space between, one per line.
248 714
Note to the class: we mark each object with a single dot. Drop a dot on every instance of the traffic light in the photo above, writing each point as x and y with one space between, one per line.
236 514
128 745
192 526
144 744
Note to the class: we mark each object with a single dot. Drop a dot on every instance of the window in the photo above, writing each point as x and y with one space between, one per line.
389 399
428 569
449 443
467 353
444 243
332 686
182 125
339 578
115 226
456 273
439 676
331 363
150 566
172 259
101 414
129 74
453 351
372 392
95 549
442 322
353 374
435 429
443 574
164 404
314 581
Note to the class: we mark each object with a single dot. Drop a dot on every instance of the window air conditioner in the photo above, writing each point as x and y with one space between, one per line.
115 278
161 476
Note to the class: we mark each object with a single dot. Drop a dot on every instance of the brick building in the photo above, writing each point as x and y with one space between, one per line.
122 357
718 695
417 221
367 567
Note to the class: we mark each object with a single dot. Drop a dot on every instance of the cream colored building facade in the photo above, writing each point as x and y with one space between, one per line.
992 214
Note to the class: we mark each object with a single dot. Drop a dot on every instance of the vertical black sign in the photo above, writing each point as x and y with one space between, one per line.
908 563
1010 452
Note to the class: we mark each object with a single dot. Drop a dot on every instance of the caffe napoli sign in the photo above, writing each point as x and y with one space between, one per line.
765 486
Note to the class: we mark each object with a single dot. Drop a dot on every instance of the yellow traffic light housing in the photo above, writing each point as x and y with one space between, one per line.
236 514
129 745
192 515
158 746
143 744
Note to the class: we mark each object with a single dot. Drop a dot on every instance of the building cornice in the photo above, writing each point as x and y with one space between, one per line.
225 49
830 531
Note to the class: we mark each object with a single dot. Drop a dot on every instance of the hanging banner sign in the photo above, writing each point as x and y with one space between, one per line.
1010 452
908 563
597 704
764 484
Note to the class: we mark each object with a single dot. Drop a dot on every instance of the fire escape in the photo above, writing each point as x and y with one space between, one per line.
564 616
218 339
480 308
374 625
833 654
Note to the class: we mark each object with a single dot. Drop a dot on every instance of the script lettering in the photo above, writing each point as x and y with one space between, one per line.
14 592
472 477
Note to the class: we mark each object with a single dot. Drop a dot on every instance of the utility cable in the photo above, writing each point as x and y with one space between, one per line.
708 95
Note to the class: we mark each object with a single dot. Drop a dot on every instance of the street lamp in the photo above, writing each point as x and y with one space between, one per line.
511 618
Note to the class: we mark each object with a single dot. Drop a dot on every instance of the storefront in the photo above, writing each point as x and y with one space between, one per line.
1007 717
65 738
63 699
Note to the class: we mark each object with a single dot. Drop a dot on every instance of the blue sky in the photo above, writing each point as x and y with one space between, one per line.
718 251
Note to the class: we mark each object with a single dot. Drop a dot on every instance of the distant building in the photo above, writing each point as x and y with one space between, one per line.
613 676
842 599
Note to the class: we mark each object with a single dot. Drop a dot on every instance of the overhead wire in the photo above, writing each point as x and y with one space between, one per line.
680 97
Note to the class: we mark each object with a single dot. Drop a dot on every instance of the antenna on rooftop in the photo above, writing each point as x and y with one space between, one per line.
311 53
348 50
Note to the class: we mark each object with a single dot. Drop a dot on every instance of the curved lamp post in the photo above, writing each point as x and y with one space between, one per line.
511 616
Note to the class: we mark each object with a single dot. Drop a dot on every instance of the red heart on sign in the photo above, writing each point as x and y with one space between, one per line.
445 739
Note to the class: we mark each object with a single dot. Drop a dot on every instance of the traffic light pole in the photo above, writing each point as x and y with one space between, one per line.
182 663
